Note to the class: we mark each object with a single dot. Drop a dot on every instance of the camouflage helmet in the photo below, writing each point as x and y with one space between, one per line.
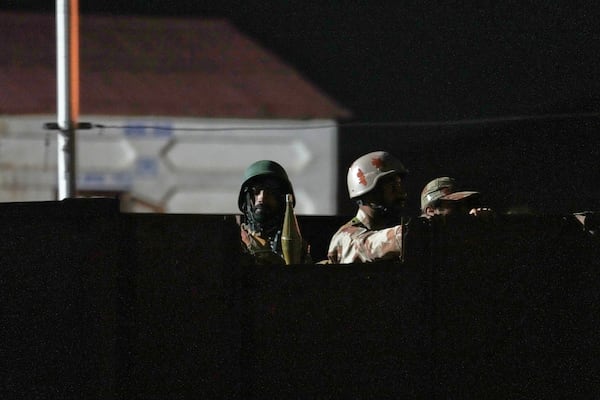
264 168
443 188
365 171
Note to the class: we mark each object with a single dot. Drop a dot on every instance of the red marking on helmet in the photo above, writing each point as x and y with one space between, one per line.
377 162
361 177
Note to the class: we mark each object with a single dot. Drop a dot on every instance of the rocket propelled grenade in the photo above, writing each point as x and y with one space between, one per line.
291 239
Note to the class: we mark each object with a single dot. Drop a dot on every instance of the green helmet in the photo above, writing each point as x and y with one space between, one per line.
264 168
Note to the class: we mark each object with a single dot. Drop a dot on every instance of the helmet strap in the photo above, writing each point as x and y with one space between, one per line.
391 214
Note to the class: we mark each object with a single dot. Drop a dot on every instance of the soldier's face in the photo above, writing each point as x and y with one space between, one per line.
393 191
451 208
266 195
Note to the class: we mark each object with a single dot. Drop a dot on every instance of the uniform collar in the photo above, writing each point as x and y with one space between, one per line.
362 218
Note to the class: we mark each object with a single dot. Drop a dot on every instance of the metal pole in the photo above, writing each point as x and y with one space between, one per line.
67 80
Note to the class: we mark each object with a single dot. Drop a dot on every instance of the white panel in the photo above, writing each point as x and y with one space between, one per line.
305 202
27 153
28 178
209 201
104 153
230 153
20 195
170 162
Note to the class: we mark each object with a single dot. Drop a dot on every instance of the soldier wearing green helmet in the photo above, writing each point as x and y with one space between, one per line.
261 200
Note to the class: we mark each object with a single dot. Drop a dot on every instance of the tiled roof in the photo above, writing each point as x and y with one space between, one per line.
155 66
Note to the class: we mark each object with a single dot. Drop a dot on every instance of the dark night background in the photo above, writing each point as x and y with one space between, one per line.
103 304
503 95
417 61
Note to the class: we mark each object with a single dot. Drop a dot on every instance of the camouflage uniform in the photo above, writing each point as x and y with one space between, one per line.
260 248
356 242
364 239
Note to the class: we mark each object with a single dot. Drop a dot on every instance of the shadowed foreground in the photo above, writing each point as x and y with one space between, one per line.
100 304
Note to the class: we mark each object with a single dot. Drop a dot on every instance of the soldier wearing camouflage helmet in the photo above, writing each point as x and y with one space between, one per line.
376 182
262 203
442 197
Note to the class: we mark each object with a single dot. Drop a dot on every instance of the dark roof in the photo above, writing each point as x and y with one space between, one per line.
193 67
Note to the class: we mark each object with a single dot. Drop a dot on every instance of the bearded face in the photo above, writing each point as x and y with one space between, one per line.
265 196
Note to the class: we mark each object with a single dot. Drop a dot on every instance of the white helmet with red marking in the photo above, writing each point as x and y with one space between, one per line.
366 170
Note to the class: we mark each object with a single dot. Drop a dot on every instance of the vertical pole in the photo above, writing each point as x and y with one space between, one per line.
67 80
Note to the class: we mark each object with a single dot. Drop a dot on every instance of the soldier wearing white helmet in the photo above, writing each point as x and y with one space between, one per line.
376 182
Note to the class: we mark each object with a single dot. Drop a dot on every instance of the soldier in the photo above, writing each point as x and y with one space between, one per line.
375 182
262 203
441 196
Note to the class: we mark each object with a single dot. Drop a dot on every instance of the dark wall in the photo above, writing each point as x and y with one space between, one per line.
99 304
514 309
181 335
60 271
548 165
